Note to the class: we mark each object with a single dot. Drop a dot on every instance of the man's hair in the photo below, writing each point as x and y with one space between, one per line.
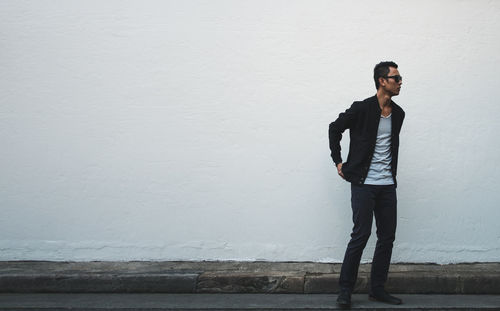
381 70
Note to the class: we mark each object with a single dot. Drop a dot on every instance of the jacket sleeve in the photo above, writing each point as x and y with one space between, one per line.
344 121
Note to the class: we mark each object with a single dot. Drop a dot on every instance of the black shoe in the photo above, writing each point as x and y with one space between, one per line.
383 296
344 299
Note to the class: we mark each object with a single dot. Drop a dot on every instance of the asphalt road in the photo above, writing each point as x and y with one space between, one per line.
54 302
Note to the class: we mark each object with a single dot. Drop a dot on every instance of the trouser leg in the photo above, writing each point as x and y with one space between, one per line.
386 218
362 203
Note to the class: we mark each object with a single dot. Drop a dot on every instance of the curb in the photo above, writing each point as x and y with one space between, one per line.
238 277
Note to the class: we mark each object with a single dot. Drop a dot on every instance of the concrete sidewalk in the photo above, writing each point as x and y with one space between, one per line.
227 302
237 277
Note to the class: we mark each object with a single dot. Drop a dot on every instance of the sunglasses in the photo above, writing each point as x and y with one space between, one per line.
396 78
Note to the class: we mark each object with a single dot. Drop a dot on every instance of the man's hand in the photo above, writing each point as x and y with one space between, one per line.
339 170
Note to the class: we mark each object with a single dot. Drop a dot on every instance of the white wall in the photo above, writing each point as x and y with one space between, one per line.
198 130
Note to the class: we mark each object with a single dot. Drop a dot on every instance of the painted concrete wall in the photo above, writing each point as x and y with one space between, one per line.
197 130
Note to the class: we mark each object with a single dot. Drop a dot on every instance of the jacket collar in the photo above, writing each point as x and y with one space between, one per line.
374 101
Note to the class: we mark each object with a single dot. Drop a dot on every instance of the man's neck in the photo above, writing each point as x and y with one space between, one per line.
384 99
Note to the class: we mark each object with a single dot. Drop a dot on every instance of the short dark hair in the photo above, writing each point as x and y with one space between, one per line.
381 70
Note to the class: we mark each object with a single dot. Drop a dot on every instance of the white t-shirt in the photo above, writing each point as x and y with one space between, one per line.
380 167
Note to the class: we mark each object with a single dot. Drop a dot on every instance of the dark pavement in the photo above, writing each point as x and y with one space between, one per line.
275 302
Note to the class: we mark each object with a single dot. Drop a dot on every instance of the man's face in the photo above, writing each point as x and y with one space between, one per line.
389 84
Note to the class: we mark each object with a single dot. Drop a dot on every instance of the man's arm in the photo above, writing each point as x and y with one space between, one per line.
344 121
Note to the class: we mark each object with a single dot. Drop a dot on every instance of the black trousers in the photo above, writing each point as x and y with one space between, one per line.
366 201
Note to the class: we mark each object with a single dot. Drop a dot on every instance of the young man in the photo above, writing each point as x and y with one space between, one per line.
374 125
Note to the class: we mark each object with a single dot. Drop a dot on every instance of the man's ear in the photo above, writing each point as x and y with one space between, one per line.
381 81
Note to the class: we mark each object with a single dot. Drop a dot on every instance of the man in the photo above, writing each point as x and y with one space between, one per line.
374 125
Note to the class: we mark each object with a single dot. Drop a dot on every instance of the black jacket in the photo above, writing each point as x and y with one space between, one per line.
362 120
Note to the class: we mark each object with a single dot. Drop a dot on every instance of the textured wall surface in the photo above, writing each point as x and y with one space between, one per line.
197 130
